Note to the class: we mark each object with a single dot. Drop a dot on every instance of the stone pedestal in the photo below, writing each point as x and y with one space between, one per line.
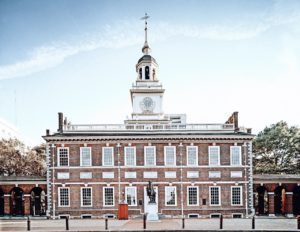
152 212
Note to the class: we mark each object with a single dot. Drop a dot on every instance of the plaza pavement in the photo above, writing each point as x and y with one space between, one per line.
262 224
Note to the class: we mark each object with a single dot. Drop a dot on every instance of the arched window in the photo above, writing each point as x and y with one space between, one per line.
37 202
262 201
17 206
147 77
1 203
140 73
153 74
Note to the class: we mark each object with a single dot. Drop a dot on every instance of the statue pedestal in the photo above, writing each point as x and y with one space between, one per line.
152 212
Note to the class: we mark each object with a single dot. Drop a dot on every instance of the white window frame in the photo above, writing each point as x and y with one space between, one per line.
241 195
209 154
145 160
170 174
188 158
69 193
192 174
240 155
125 156
233 174
130 175
63 175
210 174
166 200
81 175
135 194
81 159
165 155
108 187
112 158
81 196
150 174
210 187
58 156
188 196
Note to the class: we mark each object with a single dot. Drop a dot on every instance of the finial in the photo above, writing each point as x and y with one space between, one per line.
146 49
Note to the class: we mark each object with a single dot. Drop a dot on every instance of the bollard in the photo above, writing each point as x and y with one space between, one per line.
67 223
298 222
28 223
144 219
183 223
106 223
221 222
253 223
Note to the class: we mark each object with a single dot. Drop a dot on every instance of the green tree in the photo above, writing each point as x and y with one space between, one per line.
19 160
276 149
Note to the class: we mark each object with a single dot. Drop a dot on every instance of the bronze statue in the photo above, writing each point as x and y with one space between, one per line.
151 193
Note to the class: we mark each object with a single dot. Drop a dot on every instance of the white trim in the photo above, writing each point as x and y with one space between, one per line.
58 156
209 147
147 165
69 193
136 200
125 156
90 164
165 156
112 153
161 167
81 197
107 187
166 187
240 155
210 187
188 196
187 156
241 195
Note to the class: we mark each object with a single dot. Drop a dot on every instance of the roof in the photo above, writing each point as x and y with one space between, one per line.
22 178
276 177
147 58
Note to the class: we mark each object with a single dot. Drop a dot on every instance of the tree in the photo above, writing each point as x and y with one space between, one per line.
17 159
276 149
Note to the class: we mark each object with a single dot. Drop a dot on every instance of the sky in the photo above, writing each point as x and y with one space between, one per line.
215 57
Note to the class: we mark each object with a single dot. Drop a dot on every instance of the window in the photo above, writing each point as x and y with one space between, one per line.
192 195
170 195
108 175
215 215
236 195
86 196
192 156
236 174
214 195
150 156
85 156
108 156
63 156
130 194
63 197
170 174
147 72
192 174
235 155
237 215
214 174
150 174
214 155
170 156
108 196
130 156
130 174
86 175
63 175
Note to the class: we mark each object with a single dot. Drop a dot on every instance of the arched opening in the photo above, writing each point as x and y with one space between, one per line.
37 202
153 74
1 203
296 201
17 199
140 73
147 76
262 198
279 201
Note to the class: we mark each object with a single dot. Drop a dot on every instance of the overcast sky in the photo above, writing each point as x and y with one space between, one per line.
215 57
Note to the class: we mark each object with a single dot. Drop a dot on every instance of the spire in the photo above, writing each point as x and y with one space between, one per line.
146 49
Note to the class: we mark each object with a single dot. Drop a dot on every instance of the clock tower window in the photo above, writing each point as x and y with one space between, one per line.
147 76
140 73
153 74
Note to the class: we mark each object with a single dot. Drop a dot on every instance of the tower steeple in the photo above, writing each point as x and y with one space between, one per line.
146 49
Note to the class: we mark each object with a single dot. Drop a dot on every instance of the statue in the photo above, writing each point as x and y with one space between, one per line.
151 193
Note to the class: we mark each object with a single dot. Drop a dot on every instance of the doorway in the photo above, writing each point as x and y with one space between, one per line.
37 202
262 204
1 203
296 201
17 202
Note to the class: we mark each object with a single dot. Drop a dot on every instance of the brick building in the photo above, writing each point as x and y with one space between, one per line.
197 169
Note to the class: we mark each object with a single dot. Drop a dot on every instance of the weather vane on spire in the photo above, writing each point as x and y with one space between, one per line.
146 48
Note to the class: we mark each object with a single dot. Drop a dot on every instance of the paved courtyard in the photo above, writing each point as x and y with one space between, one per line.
137 224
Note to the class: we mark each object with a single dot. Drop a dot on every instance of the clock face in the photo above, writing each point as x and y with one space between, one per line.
147 105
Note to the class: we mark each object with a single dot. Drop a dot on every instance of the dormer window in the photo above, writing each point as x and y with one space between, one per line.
147 76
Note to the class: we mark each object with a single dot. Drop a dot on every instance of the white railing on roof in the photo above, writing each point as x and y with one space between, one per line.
144 127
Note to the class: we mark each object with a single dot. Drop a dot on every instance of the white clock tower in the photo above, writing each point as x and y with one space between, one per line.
147 92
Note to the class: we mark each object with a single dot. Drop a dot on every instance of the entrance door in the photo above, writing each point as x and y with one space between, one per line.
146 200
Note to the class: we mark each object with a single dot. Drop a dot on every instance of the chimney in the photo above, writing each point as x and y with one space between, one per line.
249 130
236 120
60 122
47 132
